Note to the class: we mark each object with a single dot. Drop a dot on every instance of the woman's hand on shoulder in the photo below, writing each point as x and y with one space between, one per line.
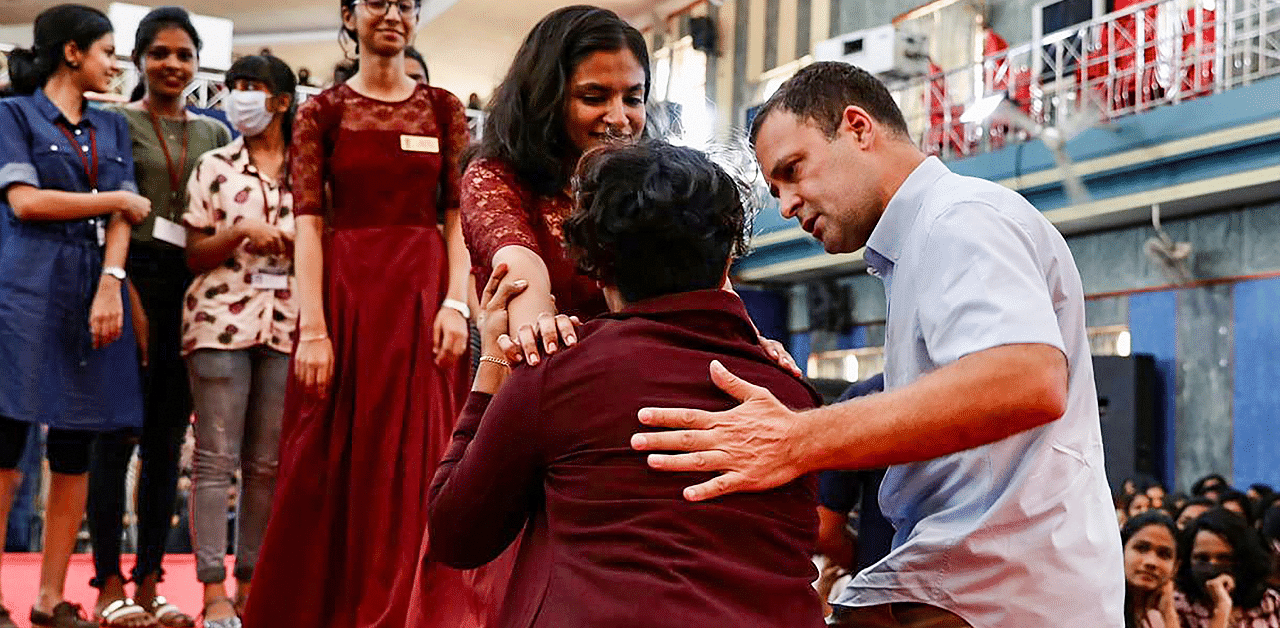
494 322
778 352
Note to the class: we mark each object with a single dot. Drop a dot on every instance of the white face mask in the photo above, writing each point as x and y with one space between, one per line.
247 111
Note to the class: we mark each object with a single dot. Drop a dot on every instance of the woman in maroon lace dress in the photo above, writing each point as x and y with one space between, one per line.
580 79
383 325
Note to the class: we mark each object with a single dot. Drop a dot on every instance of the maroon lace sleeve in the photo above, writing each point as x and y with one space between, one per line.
307 162
459 138
494 212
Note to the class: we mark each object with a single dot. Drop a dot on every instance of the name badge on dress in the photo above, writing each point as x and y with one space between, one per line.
419 144
266 280
169 231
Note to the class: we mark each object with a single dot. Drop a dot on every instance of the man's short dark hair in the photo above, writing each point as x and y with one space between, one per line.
819 93
654 219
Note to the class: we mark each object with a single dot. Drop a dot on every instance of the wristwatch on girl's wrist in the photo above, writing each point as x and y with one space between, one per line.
114 271
458 306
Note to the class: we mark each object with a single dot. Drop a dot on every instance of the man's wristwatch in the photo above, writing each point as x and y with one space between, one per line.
114 271
461 307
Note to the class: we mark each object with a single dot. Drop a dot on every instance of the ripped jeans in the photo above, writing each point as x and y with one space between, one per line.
239 402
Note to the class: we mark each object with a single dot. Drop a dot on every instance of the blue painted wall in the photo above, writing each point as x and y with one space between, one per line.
1153 330
1256 400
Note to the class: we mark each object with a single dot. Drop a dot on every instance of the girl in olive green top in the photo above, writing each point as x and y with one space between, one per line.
167 141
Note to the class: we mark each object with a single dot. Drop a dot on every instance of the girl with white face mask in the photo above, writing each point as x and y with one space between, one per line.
239 323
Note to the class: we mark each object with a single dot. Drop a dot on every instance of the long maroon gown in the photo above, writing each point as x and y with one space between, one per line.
350 509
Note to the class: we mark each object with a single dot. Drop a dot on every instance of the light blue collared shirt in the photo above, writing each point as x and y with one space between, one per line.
1021 532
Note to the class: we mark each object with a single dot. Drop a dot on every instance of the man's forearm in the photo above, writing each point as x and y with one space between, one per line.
979 399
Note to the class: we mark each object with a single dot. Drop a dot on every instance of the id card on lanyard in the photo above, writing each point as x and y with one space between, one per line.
271 277
89 160
165 229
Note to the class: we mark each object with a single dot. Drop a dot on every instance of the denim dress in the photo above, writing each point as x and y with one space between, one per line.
49 272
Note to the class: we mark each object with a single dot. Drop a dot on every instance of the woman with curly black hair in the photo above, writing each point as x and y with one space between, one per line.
1222 577
605 536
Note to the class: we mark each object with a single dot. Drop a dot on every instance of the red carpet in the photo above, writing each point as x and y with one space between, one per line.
20 579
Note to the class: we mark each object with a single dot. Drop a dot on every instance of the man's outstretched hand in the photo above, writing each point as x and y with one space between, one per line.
756 446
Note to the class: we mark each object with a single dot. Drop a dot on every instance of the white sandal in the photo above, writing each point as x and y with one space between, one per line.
230 622
123 609
161 608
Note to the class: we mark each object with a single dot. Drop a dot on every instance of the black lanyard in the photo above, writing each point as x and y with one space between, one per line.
90 163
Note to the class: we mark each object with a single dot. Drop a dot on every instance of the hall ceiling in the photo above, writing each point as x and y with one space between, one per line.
468 43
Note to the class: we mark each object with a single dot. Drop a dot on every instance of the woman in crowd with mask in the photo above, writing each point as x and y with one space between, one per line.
1222 575
579 80
1150 561
239 324
381 293
68 357
166 142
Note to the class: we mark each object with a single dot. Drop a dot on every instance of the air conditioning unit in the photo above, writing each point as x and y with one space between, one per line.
890 53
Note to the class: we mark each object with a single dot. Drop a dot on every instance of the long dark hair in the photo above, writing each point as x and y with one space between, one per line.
525 125
30 69
276 75
1132 527
1251 565
149 28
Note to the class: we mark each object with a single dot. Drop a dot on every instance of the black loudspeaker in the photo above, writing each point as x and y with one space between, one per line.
1127 393
703 32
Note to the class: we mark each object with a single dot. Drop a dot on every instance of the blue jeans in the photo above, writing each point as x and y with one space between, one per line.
239 404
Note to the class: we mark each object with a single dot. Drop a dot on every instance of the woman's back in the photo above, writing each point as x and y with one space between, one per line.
611 542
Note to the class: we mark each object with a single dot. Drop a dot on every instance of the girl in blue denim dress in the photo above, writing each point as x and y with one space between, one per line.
68 354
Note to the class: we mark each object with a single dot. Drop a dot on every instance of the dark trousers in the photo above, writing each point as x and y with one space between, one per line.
159 272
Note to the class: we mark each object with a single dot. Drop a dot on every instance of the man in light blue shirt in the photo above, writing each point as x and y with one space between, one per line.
997 487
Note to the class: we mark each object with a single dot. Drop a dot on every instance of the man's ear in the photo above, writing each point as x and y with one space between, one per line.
859 124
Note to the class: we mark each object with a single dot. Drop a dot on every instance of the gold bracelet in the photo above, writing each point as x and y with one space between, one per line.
498 361
315 337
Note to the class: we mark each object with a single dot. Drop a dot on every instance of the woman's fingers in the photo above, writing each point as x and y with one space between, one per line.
504 294
528 340
509 349
549 332
565 325
491 286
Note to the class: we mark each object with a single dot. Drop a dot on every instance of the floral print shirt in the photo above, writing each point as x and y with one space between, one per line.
247 300
1265 615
